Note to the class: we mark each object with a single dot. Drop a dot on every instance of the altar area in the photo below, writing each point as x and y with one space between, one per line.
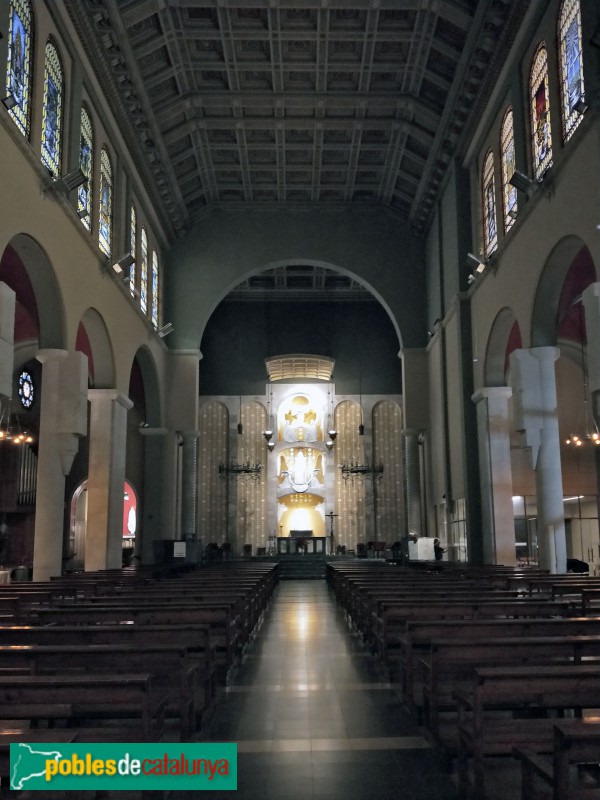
301 542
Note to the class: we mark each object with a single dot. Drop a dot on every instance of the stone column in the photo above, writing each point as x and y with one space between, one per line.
7 329
189 484
413 501
535 411
63 418
591 304
106 476
493 431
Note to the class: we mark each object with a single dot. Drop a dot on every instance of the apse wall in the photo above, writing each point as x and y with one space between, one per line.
358 335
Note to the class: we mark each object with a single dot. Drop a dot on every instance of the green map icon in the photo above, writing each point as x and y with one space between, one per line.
29 763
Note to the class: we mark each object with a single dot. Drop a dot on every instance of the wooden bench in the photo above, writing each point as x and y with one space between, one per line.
390 627
502 711
127 698
193 637
416 641
221 621
575 743
173 671
450 665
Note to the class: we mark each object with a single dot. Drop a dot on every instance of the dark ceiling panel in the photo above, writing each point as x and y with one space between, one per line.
220 98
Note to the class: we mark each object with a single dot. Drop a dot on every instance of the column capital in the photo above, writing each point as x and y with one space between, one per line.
491 392
187 353
189 434
412 431
546 353
153 431
110 394
51 354
593 290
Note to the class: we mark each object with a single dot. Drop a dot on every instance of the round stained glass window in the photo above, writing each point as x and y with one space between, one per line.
26 389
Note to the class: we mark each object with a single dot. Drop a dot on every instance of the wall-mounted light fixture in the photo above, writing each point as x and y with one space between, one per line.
523 183
124 264
476 263
165 330
10 101
69 181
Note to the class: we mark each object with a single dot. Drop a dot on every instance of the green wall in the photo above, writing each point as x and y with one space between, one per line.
228 246
241 335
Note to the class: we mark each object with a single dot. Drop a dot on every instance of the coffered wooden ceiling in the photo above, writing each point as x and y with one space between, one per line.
258 102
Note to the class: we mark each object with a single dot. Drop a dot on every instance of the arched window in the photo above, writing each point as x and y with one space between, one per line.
144 272
52 111
106 190
155 289
571 65
132 246
86 164
18 73
507 156
541 136
488 186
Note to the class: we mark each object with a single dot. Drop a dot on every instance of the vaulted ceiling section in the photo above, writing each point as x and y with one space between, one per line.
300 103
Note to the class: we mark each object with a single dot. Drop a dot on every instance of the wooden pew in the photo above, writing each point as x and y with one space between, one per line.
390 629
450 666
173 671
416 641
494 717
221 621
575 743
102 696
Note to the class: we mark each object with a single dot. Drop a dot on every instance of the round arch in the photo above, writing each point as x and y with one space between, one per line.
43 293
505 336
151 388
545 318
227 246
291 262
93 340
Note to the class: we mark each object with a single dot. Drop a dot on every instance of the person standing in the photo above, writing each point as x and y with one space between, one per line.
438 550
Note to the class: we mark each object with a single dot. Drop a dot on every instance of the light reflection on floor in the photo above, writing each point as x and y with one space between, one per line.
312 718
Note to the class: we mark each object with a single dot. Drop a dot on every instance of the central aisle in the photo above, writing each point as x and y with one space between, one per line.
312 719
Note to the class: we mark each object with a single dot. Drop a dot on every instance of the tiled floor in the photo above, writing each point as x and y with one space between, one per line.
312 719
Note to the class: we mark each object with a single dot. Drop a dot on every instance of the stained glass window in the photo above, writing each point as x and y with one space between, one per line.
86 163
155 289
541 136
18 71
106 188
490 230
132 247
144 272
571 65
52 113
507 155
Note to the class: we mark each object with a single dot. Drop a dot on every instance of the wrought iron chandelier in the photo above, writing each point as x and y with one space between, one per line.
244 469
353 470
